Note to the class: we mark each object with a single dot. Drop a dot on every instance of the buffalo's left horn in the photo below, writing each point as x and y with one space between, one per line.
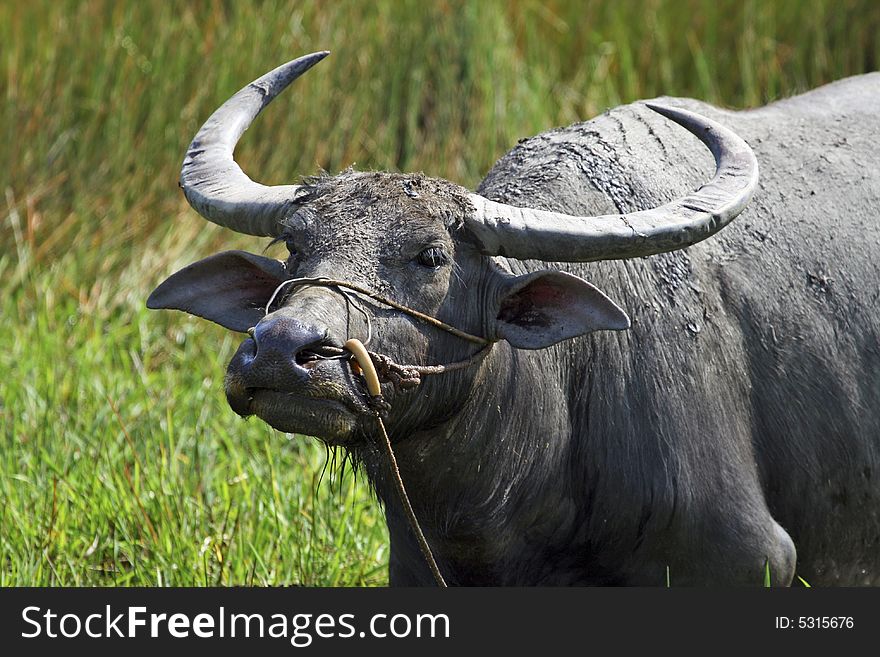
211 180
526 233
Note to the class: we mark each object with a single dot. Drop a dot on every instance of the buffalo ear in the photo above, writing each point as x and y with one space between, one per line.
229 288
545 307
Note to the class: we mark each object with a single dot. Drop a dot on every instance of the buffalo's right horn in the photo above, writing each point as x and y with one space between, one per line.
526 233
211 180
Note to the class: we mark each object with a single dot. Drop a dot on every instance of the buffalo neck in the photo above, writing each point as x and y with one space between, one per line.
486 480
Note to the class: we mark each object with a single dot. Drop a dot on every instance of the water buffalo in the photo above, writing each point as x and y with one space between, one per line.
724 424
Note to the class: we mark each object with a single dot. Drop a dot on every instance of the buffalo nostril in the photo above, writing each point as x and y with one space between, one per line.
283 346
306 357
311 354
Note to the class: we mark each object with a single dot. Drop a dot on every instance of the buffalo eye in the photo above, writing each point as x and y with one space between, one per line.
432 257
291 248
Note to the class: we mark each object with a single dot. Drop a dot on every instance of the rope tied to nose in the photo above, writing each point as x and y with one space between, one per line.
378 368
330 282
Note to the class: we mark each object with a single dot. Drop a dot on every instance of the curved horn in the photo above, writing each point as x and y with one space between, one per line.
211 180
524 233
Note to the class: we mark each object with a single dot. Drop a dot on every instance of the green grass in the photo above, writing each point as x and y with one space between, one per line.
111 477
120 462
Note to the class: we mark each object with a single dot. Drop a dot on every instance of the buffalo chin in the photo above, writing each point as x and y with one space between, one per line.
329 420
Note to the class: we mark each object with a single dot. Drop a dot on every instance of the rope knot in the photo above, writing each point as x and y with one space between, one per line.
400 376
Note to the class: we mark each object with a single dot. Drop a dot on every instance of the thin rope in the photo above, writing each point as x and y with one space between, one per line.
349 299
368 365
330 282
407 507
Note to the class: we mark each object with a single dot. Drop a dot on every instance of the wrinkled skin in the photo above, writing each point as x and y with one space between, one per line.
733 426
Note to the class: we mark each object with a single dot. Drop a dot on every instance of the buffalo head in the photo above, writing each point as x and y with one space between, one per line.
426 243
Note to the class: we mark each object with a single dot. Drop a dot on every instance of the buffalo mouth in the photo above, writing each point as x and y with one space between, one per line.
319 396
327 419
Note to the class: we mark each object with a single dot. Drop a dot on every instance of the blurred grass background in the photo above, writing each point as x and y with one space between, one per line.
120 462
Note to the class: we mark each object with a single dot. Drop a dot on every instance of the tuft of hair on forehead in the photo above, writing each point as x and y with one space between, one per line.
412 194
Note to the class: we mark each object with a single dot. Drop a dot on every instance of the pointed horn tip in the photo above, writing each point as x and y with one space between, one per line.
309 60
286 73
290 71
